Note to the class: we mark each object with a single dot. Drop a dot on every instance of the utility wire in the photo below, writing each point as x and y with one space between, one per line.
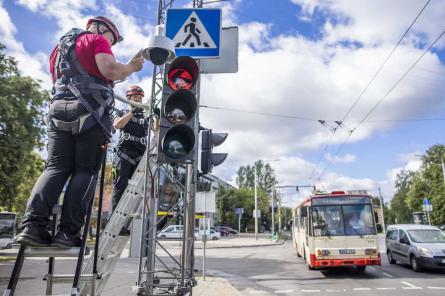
385 61
370 82
382 99
318 120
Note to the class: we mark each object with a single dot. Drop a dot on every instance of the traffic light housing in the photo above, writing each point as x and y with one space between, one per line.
177 139
208 158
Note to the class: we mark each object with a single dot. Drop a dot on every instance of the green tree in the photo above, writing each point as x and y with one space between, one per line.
399 210
429 182
21 131
265 175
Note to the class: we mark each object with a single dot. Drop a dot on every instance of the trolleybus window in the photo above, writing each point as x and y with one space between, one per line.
7 225
327 221
358 220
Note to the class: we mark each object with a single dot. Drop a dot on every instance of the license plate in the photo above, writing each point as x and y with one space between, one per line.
346 251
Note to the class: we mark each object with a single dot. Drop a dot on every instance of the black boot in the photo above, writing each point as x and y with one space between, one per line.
64 240
34 236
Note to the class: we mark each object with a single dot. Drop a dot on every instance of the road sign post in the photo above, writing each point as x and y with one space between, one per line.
427 207
239 212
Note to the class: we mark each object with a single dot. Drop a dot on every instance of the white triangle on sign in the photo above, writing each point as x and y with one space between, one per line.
193 34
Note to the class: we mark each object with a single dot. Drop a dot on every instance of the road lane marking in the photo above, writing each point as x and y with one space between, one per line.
310 291
410 286
387 274
333 290
361 289
257 292
284 291
386 289
436 288
372 268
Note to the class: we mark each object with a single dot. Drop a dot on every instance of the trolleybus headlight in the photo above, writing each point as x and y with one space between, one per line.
370 252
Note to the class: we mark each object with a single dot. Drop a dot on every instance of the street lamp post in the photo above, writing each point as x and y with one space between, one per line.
256 204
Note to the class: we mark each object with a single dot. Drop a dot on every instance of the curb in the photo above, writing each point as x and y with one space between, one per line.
245 246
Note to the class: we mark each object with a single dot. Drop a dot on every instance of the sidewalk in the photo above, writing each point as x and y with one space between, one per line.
125 273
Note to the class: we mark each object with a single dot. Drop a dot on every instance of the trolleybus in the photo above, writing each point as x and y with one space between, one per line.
336 229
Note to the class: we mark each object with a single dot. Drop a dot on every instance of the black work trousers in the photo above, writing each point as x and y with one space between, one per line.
76 158
124 172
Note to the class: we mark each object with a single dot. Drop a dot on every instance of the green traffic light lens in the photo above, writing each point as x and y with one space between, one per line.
178 142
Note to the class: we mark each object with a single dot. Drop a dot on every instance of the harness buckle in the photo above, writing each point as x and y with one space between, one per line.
126 136
143 141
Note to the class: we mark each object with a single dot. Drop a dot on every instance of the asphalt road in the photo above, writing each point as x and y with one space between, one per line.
271 270
277 270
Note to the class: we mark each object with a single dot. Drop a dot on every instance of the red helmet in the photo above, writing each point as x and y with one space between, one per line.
110 25
134 90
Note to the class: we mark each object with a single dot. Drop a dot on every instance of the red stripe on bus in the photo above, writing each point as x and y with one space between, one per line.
345 262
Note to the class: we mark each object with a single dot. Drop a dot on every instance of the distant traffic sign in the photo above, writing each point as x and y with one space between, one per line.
195 32
428 208
426 201
239 210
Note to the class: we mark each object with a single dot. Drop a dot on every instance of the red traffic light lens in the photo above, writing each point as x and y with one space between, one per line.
180 79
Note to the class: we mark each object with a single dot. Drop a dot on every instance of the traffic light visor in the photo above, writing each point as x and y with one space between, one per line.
182 73
180 107
178 142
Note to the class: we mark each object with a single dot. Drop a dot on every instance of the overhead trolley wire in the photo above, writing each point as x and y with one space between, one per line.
369 84
384 97
315 120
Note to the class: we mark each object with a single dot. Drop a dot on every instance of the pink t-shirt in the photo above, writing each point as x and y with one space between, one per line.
87 47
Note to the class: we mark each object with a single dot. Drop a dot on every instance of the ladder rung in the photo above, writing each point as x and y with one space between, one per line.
44 252
68 278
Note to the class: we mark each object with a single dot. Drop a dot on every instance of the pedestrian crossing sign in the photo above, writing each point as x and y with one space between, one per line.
195 32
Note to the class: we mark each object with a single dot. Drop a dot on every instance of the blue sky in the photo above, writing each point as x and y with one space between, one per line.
296 57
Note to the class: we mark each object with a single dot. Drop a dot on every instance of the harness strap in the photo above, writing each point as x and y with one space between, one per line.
70 126
133 161
128 137
90 110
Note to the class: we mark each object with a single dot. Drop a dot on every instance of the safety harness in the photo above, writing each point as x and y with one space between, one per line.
74 83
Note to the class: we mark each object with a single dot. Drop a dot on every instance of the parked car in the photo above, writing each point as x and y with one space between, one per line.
172 231
214 235
421 246
225 230
222 229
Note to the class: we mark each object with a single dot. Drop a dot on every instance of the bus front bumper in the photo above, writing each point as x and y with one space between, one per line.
345 262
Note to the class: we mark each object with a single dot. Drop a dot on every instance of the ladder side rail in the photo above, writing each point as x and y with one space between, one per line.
15 272
75 290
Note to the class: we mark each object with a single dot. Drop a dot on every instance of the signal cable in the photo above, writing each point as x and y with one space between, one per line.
383 98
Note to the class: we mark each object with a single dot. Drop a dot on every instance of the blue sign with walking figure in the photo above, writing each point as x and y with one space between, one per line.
195 32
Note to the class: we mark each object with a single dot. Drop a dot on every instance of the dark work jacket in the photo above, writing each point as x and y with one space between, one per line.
137 127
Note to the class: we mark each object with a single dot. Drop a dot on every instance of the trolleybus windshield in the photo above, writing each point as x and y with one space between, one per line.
341 220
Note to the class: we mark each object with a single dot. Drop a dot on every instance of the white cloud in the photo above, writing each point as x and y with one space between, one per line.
347 158
33 65
376 22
